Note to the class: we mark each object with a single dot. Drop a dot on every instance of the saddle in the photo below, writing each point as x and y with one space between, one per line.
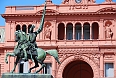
32 52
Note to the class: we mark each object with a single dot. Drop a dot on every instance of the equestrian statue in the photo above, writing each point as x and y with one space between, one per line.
28 49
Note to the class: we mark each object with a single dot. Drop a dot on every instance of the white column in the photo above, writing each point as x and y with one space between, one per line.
25 66
73 31
90 31
65 32
115 65
82 35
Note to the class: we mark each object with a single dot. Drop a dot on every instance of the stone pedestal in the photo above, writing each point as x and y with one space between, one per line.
25 75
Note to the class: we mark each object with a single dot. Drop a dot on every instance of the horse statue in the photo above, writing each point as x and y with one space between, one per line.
38 56
27 48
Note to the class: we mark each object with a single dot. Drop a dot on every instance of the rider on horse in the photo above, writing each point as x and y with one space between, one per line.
31 36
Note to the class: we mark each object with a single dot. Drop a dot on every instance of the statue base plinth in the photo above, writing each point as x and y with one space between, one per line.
25 75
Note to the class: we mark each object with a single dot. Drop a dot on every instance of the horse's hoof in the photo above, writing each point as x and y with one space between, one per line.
6 62
11 72
29 71
35 72
59 62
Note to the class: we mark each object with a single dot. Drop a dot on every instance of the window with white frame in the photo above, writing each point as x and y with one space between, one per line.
109 70
23 67
47 69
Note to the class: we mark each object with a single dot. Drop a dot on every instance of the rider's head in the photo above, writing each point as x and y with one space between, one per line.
31 29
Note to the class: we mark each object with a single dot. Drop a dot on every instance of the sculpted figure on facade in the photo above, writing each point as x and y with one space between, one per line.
47 32
108 31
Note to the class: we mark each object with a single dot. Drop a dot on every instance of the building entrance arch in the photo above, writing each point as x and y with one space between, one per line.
78 69
73 59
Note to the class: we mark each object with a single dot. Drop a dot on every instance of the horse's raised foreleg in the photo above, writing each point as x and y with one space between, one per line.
15 64
9 54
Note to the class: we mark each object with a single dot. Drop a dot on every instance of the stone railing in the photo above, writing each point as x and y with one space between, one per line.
24 8
19 9
90 43
76 43
86 42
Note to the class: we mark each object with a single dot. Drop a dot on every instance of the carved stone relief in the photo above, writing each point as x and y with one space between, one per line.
108 30
95 57
108 57
76 57
82 50
47 31
108 50
78 54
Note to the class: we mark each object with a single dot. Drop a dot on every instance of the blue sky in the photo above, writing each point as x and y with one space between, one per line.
4 3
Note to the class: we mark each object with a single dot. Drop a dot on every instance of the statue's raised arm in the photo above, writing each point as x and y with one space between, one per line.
42 20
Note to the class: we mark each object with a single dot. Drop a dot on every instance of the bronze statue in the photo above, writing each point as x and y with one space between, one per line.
27 48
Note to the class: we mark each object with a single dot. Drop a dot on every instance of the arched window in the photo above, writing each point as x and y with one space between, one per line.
18 27
29 26
95 30
24 28
61 31
77 31
86 31
69 31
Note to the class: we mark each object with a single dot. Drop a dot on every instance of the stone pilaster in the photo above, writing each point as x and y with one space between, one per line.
101 29
90 31
73 31
115 66
65 32
101 66
82 35
13 26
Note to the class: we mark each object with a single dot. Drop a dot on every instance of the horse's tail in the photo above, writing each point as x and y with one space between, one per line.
54 53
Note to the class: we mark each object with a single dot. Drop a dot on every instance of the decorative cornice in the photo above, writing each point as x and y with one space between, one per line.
109 56
107 10
53 13
48 11
88 13
79 50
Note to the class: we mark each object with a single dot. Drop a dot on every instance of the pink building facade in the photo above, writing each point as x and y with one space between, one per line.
82 31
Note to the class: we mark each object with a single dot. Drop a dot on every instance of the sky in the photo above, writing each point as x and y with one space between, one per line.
4 3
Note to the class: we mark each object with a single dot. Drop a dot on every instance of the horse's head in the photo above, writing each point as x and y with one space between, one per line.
20 35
